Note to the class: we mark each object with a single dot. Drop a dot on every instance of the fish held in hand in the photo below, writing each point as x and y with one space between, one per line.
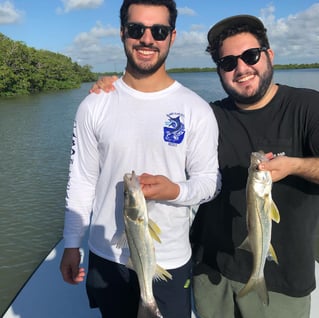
140 233
261 211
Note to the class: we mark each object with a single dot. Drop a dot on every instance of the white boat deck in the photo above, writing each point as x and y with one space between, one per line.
47 295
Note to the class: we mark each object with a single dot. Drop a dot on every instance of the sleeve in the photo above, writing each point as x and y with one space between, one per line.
83 175
313 125
202 168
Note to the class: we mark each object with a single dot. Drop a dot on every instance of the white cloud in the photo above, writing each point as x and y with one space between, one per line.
70 5
197 27
96 34
9 14
295 39
186 11
189 50
100 47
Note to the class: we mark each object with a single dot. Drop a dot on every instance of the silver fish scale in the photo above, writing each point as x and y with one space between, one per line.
260 212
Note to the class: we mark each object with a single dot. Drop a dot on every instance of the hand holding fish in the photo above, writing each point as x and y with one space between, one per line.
157 187
279 166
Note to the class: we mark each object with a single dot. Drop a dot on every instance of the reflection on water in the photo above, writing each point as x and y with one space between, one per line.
35 140
35 143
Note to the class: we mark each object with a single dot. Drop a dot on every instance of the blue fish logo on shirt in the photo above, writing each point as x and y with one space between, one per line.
174 128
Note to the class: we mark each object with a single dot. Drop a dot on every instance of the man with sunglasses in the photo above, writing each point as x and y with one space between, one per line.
164 132
258 115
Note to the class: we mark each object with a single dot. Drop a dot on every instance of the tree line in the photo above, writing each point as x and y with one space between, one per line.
214 69
25 70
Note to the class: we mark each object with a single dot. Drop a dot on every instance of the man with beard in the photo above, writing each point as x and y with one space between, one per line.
164 132
258 115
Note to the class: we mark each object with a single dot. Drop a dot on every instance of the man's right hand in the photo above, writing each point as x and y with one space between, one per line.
105 83
69 267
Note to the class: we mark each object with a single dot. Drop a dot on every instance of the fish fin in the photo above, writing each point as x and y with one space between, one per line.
129 264
161 273
274 212
120 241
154 230
272 254
259 285
245 245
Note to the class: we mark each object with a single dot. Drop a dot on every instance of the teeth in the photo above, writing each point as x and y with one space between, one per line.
246 78
146 52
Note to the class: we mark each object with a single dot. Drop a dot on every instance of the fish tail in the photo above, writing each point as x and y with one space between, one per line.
259 285
148 310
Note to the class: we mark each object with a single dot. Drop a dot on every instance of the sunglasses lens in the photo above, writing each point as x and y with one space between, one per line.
228 63
135 31
159 32
251 56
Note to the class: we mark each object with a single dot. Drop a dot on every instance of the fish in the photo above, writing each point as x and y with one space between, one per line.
261 211
141 232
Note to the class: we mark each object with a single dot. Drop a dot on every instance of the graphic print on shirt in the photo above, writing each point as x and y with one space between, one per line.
73 143
174 128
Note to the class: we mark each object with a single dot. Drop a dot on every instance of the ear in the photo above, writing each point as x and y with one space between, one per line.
173 36
122 34
271 55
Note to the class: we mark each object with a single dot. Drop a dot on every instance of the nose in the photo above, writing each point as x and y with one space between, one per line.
240 63
147 37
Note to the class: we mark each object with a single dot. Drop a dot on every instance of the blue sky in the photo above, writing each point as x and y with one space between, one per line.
88 30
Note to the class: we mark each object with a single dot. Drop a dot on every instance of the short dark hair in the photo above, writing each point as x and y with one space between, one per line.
169 4
216 39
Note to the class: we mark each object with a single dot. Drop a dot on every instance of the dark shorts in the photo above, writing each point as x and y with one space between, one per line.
114 289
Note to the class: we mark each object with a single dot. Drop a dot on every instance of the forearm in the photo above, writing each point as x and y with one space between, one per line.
199 189
83 176
75 226
307 168
283 166
196 190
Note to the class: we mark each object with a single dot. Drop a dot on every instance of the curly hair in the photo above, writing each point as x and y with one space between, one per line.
259 34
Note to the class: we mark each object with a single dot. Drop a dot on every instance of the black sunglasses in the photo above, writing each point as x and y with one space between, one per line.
159 31
250 57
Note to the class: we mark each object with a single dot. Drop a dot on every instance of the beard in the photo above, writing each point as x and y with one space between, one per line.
146 68
265 81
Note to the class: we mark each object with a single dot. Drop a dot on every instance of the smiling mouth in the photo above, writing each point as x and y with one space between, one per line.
244 79
146 52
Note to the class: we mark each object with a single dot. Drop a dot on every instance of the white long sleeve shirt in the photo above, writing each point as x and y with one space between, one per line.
173 133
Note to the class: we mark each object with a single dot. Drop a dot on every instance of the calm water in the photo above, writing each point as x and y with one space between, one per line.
35 134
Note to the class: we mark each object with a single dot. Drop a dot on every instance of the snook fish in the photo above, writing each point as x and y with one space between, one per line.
140 232
261 210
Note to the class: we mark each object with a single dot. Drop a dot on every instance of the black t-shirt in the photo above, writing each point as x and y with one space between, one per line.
290 124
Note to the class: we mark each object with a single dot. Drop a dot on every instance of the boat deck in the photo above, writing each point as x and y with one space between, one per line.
45 294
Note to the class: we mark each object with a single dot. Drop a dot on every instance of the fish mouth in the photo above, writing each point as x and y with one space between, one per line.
256 158
131 181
